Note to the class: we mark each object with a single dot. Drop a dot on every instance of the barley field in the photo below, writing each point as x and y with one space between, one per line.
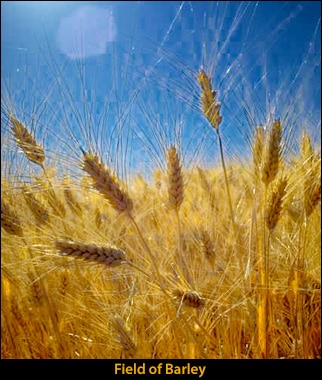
172 212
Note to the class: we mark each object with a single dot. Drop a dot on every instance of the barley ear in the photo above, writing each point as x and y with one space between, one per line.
129 348
107 183
307 151
258 148
107 255
312 188
211 108
272 157
175 180
274 207
26 142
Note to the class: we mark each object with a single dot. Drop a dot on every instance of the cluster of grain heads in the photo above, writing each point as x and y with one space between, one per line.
107 183
26 142
106 255
211 108
10 221
35 153
274 204
272 156
109 187
175 179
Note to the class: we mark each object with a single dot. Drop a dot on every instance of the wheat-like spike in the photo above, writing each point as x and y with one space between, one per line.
307 151
175 180
64 283
312 190
27 143
55 203
107 183
70 198
129 348
10 222
211 108
207 243
37 290
274 207
272 154
38 209
100 218
189 298
105 255
258 149
204 181
53 200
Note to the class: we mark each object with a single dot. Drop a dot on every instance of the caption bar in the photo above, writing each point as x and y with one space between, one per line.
160 369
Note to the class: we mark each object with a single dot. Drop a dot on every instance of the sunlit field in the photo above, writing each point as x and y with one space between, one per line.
161 181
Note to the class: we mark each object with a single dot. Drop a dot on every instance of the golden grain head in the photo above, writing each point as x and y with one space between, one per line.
27 143
189 298
107 183
104 254
258 149
272 157
211 107
274 207
175 178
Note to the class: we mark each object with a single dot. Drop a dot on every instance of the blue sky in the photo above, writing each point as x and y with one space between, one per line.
135 65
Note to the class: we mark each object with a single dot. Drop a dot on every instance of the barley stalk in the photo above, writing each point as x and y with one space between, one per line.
269 168
106 255
176 192
26 142
107 183
211 110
